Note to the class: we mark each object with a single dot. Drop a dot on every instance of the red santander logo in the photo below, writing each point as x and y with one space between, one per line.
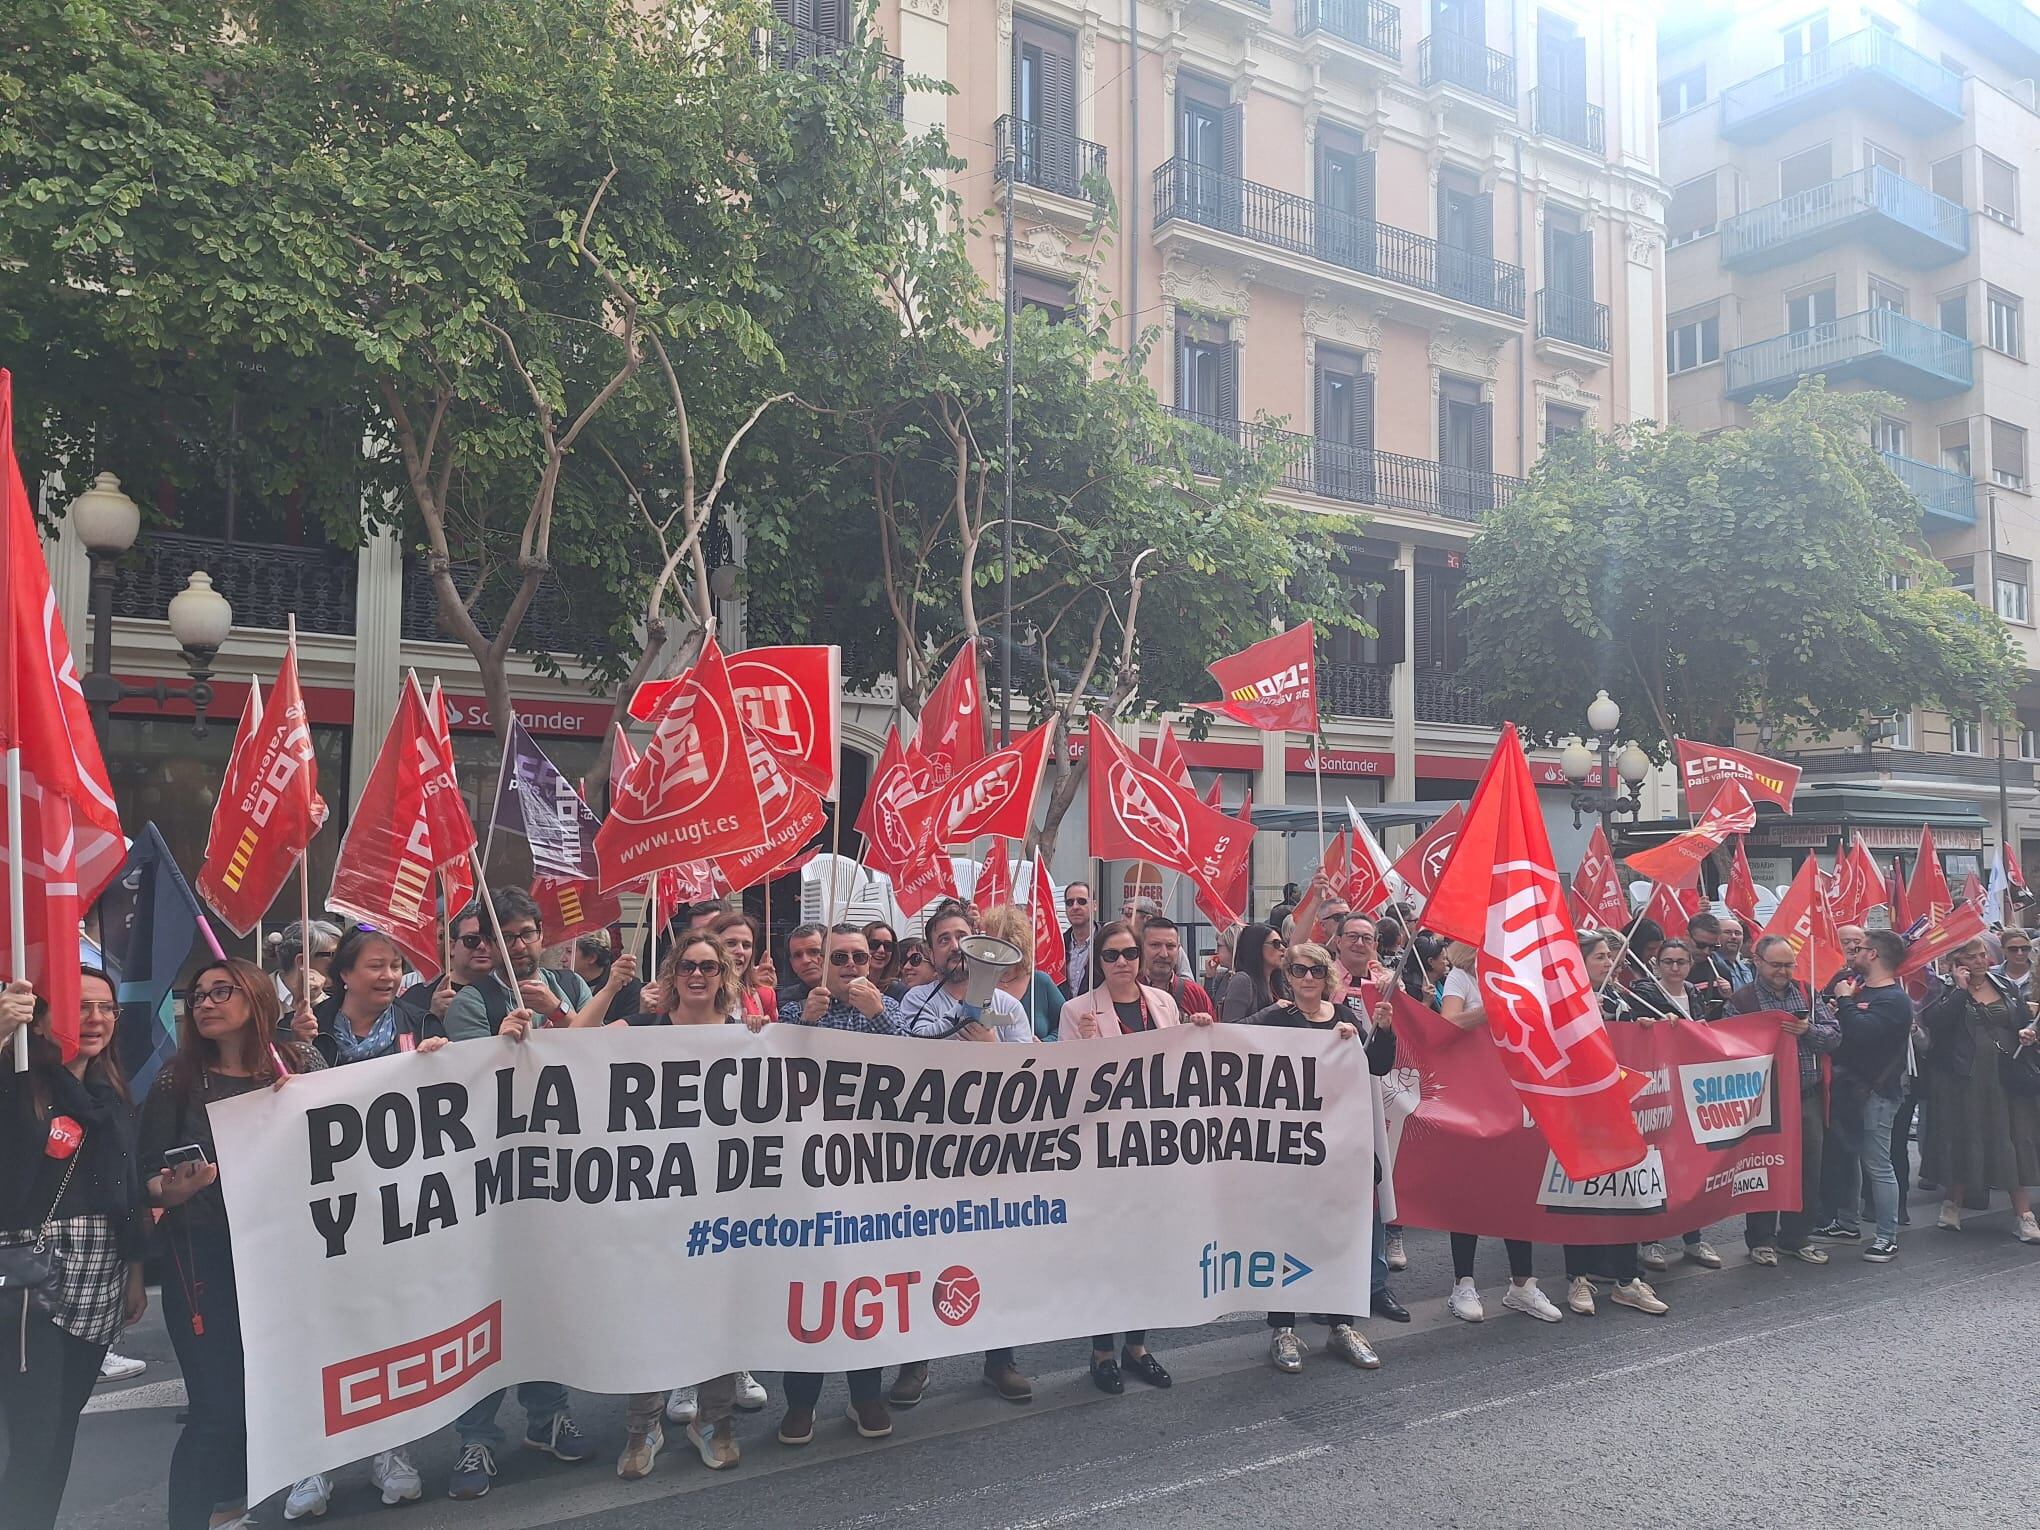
957 1295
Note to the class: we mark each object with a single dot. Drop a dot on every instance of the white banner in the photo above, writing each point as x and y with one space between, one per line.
627 1210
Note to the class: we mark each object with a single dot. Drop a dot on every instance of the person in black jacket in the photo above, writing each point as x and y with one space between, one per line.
66 1159
1980 1136
1869 1078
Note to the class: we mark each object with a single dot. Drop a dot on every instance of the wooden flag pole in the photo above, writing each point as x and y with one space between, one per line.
495 927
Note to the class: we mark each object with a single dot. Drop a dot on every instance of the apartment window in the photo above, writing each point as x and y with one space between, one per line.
1466 446
1692 210
1883 24
1806 169
1889 435
1965 735
2008 454
1207 369
1955 448
2012 581
1881 158
1047 294
1693 343
1902 731
1886 298
1806 310
1562 420
1804 37
1945 178
2002 309
1999 194
1962 575
1954 311
2029 740
1682 92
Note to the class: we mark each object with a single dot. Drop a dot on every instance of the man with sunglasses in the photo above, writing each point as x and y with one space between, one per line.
555 997
1770 1233
846 999
471 964
2017 967
1077 937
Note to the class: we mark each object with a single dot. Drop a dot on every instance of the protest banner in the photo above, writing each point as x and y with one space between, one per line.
1717 1142
809 1199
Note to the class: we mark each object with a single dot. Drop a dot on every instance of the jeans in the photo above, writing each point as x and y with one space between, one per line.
1788 1230
542 1402
713 1402
40 1406
804 1388
209 1465
1379 1260
1863 1133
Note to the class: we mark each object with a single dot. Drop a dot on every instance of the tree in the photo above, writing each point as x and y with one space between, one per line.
1775 571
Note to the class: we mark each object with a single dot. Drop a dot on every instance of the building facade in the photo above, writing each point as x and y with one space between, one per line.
1846 190
1419 239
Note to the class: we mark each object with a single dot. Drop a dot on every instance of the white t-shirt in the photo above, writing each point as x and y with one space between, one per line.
1460 984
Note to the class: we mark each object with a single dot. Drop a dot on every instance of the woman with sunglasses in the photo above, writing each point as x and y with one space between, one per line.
1256 980
224 1049
742 936
884 942
1310 973
67 1165
913 968
1118 1003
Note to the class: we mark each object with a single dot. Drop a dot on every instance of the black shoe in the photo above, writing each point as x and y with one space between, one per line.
1146 1367
1883 1251
1105 1376
1834 1232
1384 1304
1904 1217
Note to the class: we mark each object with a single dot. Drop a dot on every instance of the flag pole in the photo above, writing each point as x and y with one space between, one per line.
502 773
17 915
304 865
495 924
446 916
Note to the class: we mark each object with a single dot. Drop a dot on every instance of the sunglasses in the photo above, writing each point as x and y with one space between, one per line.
2017 950
1118 954
849 958
1308 969
472 942
689 966
881 945
218 994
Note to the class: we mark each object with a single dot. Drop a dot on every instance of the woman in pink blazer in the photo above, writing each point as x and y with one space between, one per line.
1118 1004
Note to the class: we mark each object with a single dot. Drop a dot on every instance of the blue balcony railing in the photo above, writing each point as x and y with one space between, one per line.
1943 495
1873 69
1904 219
1886 348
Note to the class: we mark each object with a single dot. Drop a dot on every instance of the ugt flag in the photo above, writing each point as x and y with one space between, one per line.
1500 893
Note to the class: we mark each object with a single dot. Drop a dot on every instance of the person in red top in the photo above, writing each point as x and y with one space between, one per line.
1161 950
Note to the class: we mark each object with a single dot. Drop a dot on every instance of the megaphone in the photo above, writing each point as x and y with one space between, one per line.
987 957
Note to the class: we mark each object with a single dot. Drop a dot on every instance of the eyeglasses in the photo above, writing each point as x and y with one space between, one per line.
1675 961
524 937
1118 954
473 942
1364 937
1778 966
690 967
101 1008
1308 969
849 958
881 945
218 994
2017 950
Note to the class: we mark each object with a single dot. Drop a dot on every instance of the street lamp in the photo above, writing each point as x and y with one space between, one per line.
107 522
1576 762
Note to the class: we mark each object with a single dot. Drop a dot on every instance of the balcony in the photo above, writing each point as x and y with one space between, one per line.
1870 71
1442 697
1052 161
552 623
1387 259
1567 319
1374 25
2004 28
1907 222
1357 475
1877 346
1569 119
1355 690
1946 498
265 582
792 46
1468 64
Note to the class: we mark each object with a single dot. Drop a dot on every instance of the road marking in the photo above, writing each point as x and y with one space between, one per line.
1167 1489
151 1394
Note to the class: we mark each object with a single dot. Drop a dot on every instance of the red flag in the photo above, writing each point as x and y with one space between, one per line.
1902 911
569 907
793 816
1705 768
1597 898
1049 955
1223 905
1804 918
1741 893
1421 864
2012 872
409 823
1867 881
792 698
1948 930
1139 814
1677 862
1272 685
1972 889
1927 892
892 822
1500 892
1665 911
951 733
694 793
991 795
1214 793
268 810
1304 920
456 878
71 844
995 880
1167 757
237 753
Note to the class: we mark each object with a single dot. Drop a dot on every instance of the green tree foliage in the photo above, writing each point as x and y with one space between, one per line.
1706 581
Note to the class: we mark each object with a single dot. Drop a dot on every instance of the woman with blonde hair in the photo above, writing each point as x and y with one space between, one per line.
1035 990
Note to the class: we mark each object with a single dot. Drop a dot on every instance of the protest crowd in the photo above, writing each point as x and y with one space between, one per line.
1920 1028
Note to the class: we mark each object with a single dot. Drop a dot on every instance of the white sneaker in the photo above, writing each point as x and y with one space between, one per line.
680 1405
1950 1217
1530 1301
1638 1294
1393 1253
120 1367
1465 1303
1653 1257
395 1477
750 1395
2028 1230
308 1495
1580 1296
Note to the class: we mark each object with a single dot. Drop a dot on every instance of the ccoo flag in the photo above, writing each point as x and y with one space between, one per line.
1271 685
269 807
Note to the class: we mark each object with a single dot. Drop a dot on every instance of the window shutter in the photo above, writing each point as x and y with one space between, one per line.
1058 134
1182 364
1363 411
1483 244
832 18
1429 623
1583 263
1388 622
1229 381
1444 425
796 13
1323 426
1483 438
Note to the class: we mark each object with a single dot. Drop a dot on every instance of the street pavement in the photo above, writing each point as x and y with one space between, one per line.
1859 1394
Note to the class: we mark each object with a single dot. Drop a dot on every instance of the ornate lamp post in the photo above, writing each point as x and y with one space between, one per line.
1577 761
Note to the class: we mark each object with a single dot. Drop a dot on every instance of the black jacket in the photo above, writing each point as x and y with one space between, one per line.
105 1181
1953 1045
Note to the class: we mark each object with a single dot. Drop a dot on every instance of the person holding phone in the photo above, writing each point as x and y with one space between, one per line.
224 1049
67 1180
1980 1135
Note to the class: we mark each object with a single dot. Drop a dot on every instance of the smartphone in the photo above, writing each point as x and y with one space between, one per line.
190 1153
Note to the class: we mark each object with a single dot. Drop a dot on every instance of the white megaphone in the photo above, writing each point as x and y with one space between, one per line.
987 957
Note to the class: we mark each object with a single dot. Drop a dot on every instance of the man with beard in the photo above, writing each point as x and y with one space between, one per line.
555 997
471 963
